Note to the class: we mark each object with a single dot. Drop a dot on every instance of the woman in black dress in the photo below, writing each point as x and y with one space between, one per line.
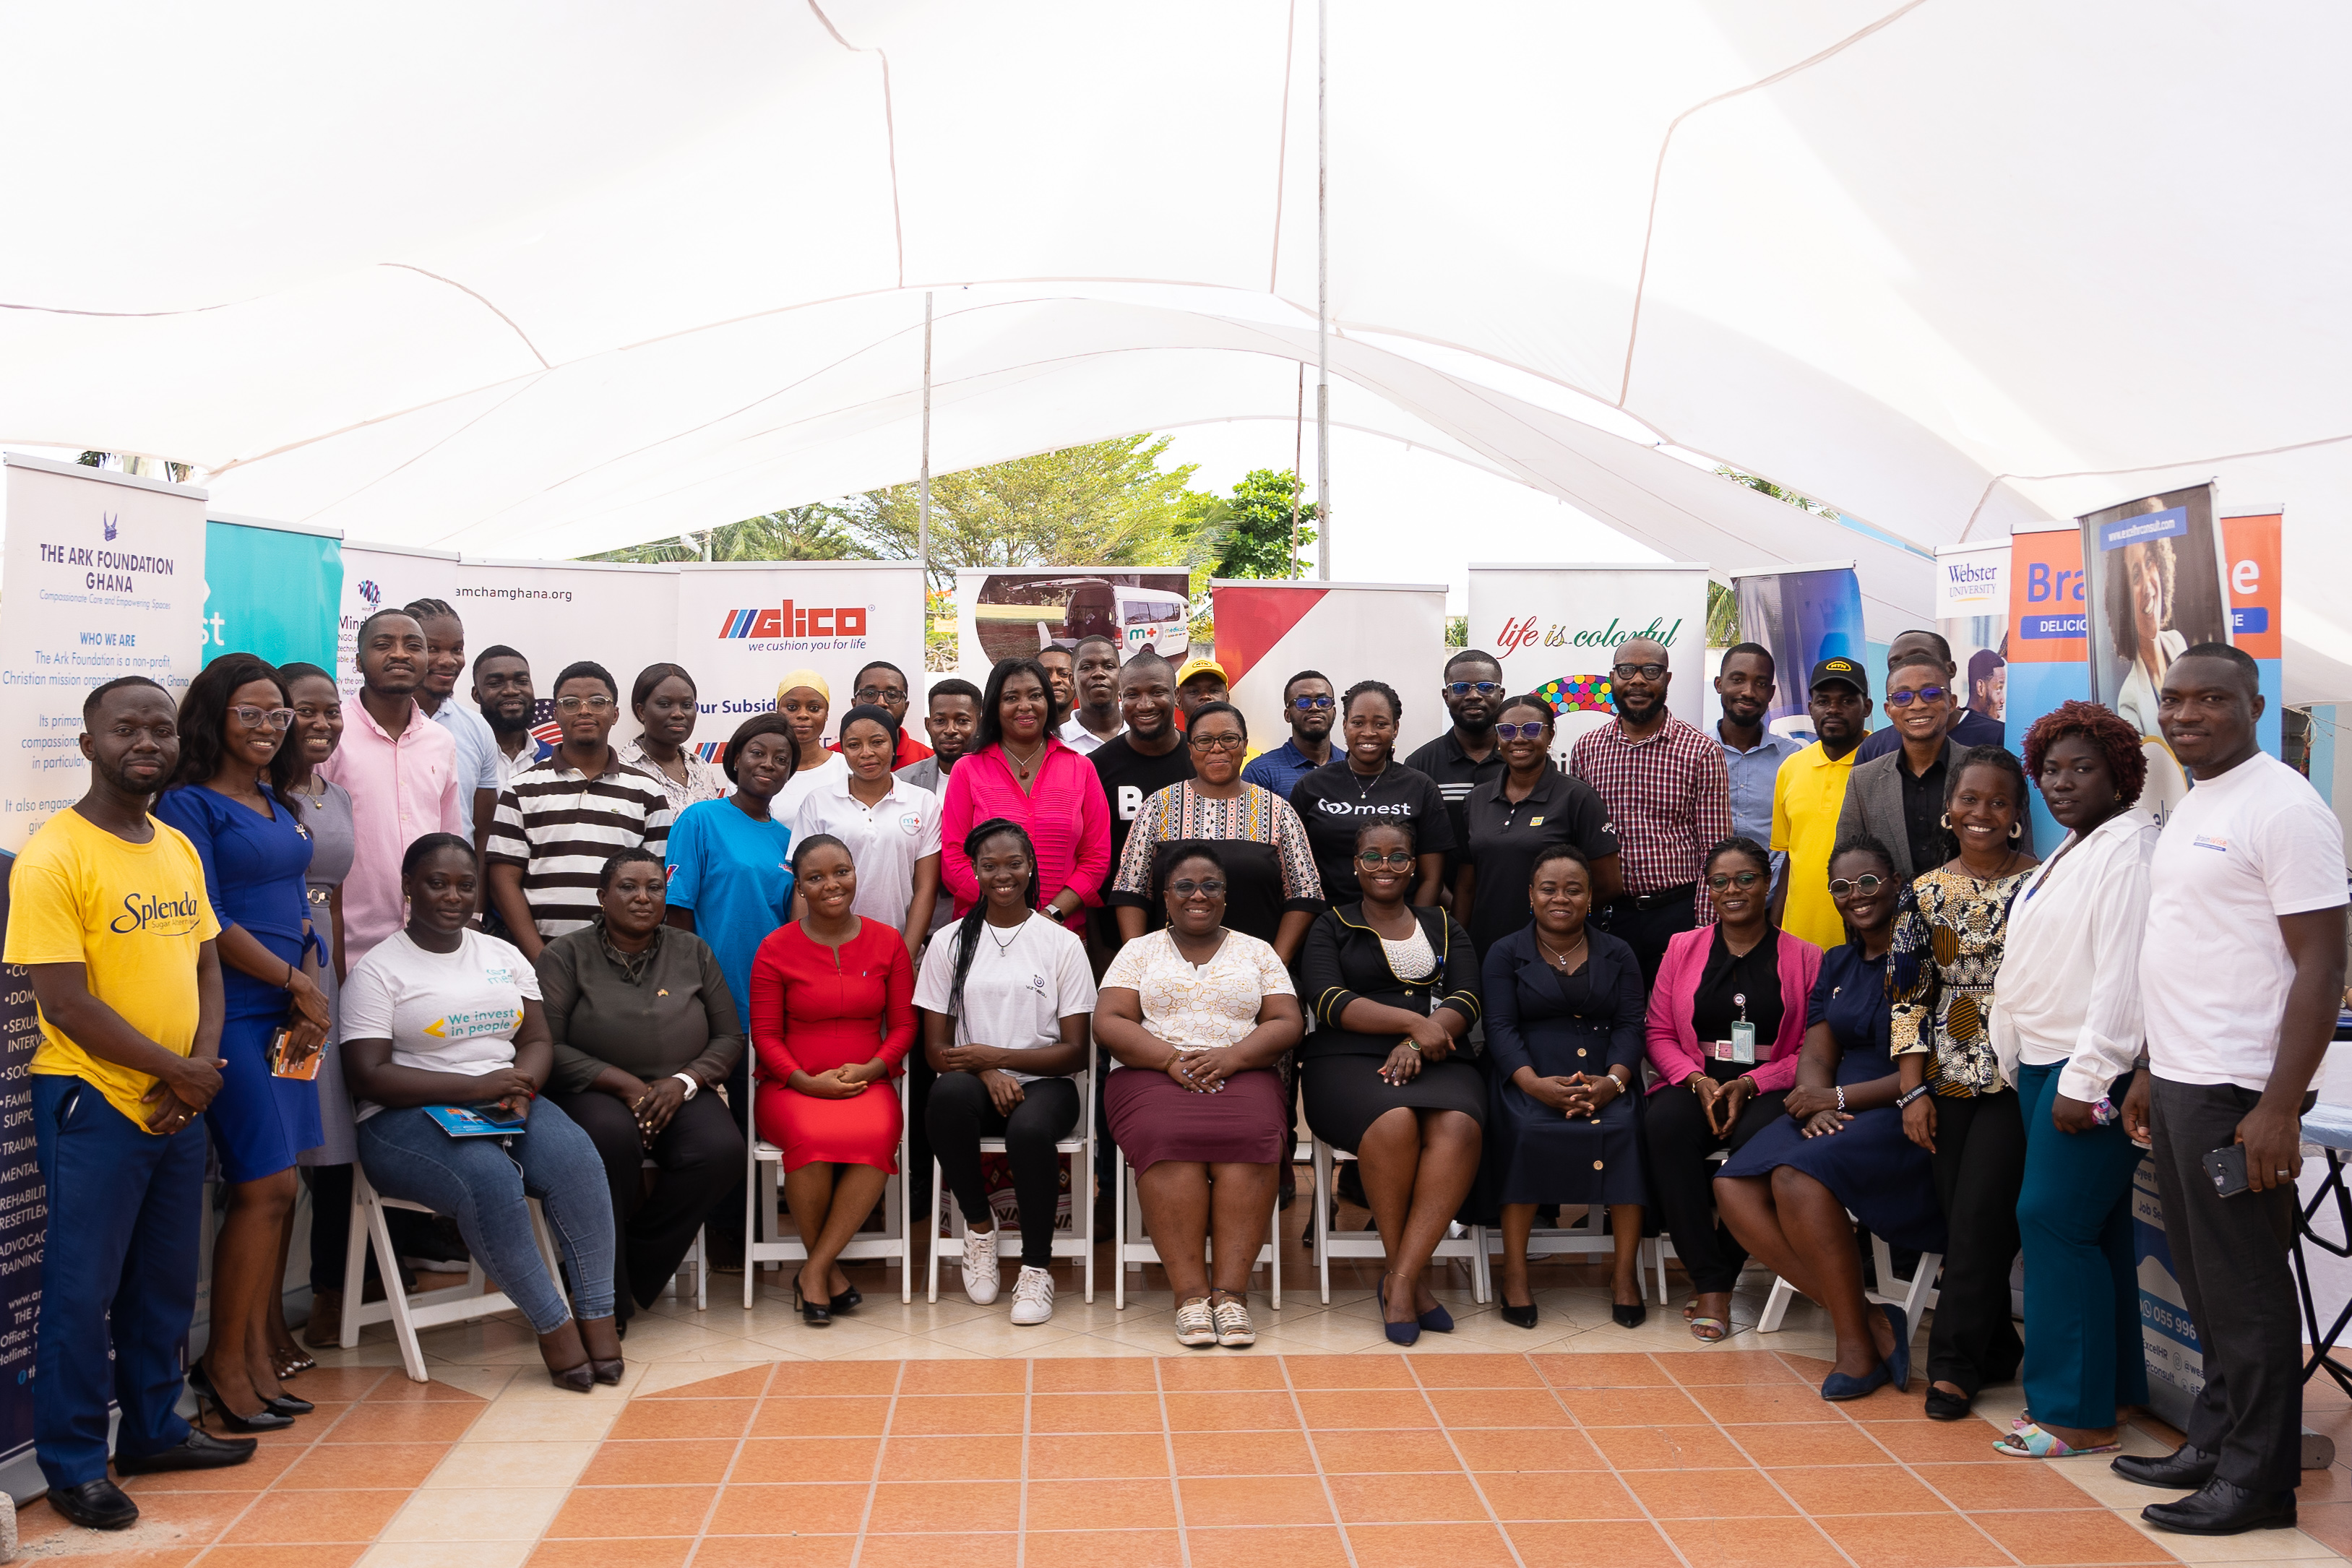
1565 1007
1841 1149
1516 817
1394 990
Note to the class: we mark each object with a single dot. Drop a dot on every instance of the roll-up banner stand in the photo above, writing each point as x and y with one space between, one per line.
2048 637
555 613
1801 615
1972 614
1268 631
273 590
1555 629
741 627
105 576
1006 612
385 577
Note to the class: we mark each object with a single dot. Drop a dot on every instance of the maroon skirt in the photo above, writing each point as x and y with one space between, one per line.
1152 1119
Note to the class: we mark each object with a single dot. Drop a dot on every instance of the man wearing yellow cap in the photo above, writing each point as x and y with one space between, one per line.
1808 796
1201 682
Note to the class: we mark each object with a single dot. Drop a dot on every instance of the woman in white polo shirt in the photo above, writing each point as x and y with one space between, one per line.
890 828
1006 986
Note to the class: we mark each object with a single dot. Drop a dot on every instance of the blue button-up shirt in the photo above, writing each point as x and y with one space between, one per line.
1284 766
1752 773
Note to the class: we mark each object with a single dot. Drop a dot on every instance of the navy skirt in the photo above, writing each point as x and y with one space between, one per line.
1885 1180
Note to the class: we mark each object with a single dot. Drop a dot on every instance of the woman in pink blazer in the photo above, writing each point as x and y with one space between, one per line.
1017 770
1726 1021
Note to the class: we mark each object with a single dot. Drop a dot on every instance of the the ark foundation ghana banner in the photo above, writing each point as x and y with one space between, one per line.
1556 630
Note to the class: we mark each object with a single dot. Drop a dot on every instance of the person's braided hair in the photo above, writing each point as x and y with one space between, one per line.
968 928
1396 703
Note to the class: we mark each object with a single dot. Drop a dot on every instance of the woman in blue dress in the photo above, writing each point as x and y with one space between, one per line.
1842 1150
256 855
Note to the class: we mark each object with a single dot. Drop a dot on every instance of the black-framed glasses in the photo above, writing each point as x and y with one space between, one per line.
593 704
879 695
1513 732
1840 887
1923 693
1722 879
1311 704
1483 688
256 717
1373 859
1207 887
1647 671
1216 743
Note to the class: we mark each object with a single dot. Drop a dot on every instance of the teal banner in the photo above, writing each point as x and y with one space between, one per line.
271 592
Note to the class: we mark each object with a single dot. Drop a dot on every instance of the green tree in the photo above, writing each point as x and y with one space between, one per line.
1722 616
818 532
1254 526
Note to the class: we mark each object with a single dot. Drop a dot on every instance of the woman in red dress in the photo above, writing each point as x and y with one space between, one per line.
833 1014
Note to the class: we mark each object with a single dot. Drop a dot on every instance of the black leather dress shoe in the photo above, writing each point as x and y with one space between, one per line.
95 1505
200 1451
2183 1469
2223 1508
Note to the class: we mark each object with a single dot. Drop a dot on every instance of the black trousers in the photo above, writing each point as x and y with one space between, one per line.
1645 931
701 1158
2231 1255
1979 1165
726 1216
961 1114
1682 1178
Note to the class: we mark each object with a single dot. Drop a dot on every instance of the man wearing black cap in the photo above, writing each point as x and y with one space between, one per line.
1808 796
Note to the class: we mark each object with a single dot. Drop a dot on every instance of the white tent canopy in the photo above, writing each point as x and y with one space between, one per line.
502 279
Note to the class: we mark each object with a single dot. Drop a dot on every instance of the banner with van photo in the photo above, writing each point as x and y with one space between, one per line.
1800 614
741 627
1555 629
1009 612
554 613
1972 614
2152 585
1269 631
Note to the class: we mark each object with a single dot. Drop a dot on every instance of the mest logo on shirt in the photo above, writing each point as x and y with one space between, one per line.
1362 809
143 913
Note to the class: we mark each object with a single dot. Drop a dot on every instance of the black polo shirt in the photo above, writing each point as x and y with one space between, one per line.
1450 768
1504 836
1923 816
1333 802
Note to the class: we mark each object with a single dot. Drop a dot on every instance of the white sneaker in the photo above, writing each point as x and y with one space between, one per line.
979 1272
1233 1329
1195 1326
1033 1298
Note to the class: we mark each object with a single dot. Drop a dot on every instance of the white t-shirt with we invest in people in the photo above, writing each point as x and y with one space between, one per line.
1021 984
443 1012
2243 849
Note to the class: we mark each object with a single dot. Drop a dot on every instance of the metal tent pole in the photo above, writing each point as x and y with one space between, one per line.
923 518
1322 305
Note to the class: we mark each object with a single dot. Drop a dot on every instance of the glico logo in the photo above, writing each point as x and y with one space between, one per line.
788 620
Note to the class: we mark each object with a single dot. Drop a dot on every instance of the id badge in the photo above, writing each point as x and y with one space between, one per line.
1743 1043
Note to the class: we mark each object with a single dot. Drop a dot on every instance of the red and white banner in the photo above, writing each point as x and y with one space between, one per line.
740 629
1268 631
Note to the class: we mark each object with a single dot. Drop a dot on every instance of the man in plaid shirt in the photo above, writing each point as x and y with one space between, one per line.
1669 800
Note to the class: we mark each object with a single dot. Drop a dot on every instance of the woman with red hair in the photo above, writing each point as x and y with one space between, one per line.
2067 1029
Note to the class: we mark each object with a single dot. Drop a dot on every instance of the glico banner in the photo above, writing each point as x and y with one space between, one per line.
1802 615
1556 630
1972 613
1268 631
740 628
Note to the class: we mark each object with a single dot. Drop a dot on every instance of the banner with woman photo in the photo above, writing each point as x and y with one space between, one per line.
1972 614
1800 614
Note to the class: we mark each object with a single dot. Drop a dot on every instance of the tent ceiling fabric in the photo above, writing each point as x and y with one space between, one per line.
487 276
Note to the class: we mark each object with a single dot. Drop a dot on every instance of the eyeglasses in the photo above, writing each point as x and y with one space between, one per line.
1373 859
1723 879
1923 693
879 694
1311 704
1483 688
1647 671
594 704
1840 887
1216 743
255 717
1207 887
1513 732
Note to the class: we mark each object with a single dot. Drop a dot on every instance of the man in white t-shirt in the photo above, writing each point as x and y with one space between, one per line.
2241 971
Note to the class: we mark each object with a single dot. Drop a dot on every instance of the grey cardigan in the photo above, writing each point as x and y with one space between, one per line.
1874 805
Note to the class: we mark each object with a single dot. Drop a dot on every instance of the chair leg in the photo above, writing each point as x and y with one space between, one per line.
702 1269
931 1233
354 1265
1083 1178
905 1211
1482 1289
395 1295
1321 1166
1776 1306
751 1208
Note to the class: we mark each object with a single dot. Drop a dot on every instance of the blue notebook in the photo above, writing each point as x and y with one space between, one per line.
467 1122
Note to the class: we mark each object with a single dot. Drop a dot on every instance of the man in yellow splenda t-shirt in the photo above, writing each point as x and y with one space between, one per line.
108 910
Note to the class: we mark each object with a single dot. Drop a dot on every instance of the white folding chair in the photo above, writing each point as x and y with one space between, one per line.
1585 1238
427 1308
1330 1244
1127 1255
1918 1294
698 1258
764 1243
1080 1243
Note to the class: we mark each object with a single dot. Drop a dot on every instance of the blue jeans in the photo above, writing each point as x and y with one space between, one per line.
482 1185
119 1267
2083 1354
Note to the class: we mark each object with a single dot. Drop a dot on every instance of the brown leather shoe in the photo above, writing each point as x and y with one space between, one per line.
325 1328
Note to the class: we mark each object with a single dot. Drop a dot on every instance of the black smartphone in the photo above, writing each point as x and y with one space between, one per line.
2226 1166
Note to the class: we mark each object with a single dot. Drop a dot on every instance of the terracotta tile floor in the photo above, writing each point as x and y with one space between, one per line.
931 1434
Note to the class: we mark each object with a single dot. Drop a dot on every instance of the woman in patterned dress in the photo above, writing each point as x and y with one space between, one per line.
1948 938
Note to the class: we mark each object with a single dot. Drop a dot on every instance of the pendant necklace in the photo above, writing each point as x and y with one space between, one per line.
1012 756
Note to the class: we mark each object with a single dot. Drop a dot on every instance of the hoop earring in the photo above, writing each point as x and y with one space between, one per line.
2016 828
1947 822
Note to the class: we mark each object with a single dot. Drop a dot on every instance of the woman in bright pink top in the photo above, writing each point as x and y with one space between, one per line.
1017 770
833 1014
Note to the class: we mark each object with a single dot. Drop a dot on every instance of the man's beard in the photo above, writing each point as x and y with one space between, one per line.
500 725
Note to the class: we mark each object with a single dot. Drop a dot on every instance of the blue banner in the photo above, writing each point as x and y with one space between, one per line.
271 592
1803 617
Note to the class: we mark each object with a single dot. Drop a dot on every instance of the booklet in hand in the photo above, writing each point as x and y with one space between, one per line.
476 1121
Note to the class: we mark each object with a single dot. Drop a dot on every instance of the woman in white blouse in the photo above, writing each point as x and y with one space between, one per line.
1196 1018
890 827
2066 1025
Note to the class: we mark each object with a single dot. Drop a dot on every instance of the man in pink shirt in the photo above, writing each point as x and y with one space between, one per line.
401 770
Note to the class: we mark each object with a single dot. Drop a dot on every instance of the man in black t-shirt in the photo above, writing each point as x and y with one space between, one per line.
1465 756
1148 756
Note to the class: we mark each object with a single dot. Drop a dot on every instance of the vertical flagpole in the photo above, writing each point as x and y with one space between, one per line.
923 518
1322 308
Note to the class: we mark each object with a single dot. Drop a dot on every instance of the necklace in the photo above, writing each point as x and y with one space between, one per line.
1004 947
1012 756
318 800
1364 785
1559 957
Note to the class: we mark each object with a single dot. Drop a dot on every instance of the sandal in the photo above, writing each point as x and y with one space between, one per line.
1708 1331
2031 1442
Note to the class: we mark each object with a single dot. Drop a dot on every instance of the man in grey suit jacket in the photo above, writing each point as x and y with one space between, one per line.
1898 798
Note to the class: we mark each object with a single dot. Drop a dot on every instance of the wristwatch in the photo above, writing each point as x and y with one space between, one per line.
693 1086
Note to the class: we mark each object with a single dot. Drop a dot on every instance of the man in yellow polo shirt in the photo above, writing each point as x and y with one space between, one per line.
1806 796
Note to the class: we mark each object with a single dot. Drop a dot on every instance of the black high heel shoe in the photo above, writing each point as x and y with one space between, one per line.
817 1314
200 1383
1520 1316
848 1300
607 1372
1629 1317
577 1379
287 1405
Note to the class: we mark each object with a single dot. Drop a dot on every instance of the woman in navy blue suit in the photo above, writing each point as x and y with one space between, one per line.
1564 1041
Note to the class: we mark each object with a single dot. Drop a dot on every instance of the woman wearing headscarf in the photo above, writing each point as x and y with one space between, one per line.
804 702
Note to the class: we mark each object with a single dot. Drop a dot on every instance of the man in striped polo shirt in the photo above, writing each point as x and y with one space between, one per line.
560 820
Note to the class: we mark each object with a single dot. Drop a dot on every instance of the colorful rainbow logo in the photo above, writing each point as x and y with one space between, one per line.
1576 694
